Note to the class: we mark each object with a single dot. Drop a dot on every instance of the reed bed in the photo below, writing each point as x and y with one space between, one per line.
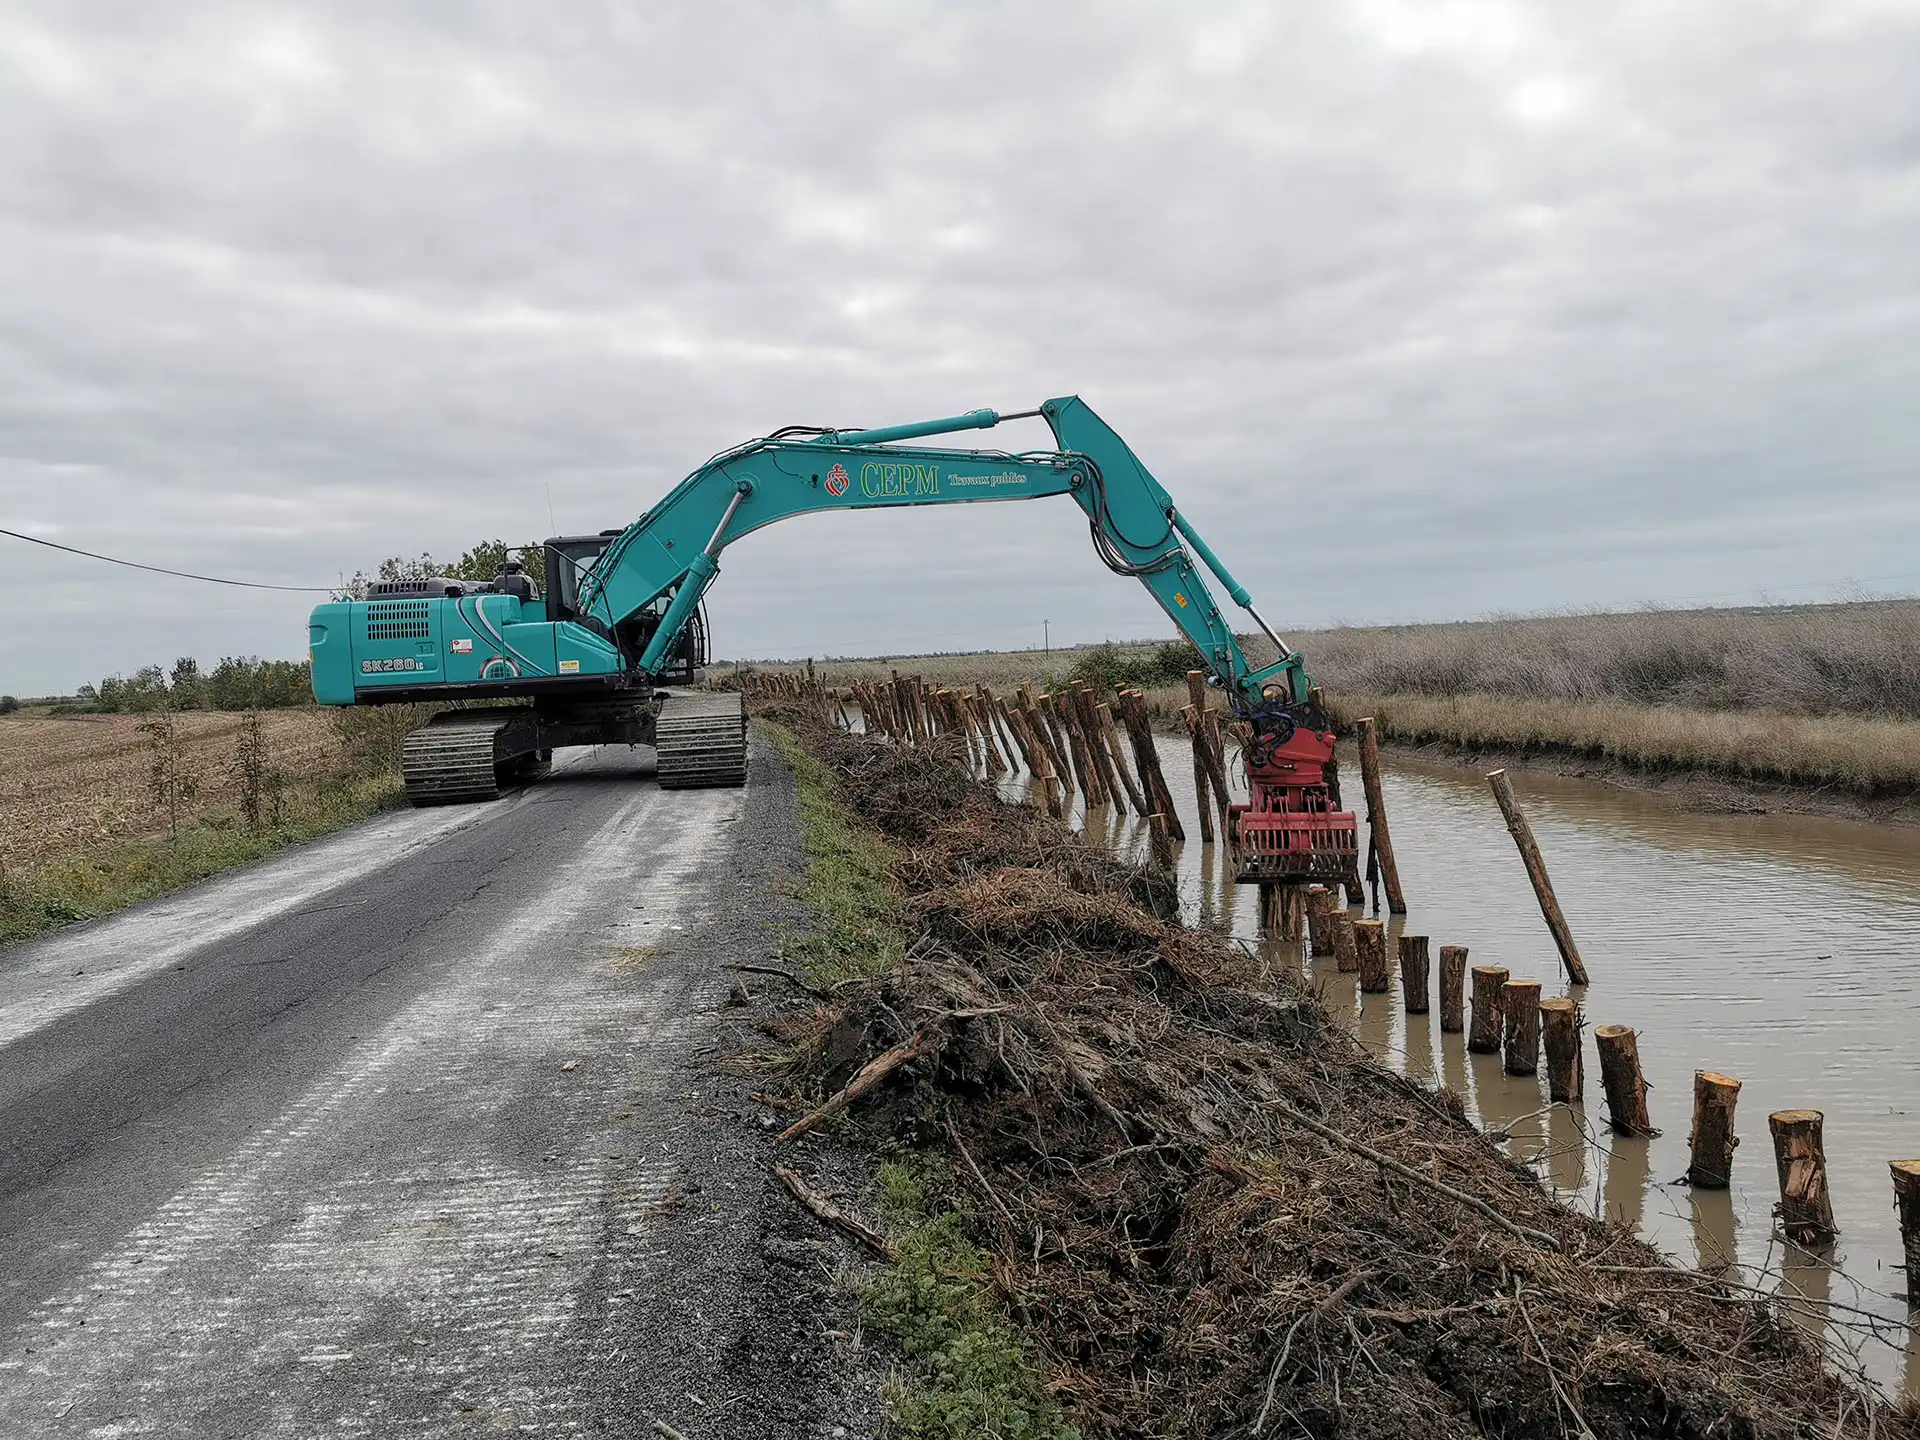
1824 695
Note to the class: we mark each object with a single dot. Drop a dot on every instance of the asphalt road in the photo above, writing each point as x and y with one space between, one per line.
419 1130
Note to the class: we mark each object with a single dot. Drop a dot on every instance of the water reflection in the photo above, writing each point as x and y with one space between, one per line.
1715 1243
1566 1157
1806 1278
1624 1191
1419 1049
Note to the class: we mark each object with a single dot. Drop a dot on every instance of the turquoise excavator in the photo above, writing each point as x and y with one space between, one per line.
610 652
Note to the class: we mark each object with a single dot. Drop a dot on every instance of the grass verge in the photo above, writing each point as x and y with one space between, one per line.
88 883
964 1370
862 929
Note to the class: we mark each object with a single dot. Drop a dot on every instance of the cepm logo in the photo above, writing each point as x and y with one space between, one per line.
837 480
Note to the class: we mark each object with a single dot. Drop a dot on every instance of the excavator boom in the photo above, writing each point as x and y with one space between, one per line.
616 622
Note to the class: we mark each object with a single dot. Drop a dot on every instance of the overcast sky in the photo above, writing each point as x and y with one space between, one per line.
1420 310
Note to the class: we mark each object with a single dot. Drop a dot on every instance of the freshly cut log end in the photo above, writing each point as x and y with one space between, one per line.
1800 1155
701 741
1712 1140
1484 1036
1620 1077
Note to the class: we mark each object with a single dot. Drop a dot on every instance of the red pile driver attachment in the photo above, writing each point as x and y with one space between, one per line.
1288 832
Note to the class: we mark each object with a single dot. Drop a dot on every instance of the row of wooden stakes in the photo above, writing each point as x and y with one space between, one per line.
1069 740
1508 1017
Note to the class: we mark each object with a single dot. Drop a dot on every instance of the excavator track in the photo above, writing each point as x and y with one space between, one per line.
701 740
459 756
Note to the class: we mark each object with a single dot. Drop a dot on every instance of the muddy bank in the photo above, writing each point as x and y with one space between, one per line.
1705 791
1211 1211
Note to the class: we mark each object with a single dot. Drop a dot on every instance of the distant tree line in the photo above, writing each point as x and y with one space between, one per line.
483 562
242 682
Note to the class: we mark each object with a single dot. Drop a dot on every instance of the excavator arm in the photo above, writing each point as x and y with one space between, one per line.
674 549
583 665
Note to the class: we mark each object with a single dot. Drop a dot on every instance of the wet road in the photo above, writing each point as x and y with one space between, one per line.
406 1132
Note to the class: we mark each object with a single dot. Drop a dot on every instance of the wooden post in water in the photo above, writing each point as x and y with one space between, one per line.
1038 762
1484 1037
1520 1010
1712 1139
1799 1152
1196 731
1370 945
1377 834
1040 718
1346 953
1560 1038
1453 988
1620 1077
1162 842
1906 1200
1217 766
1319 909
1084 703
1414 967
1111 736
1088 777
1537 872
1146 757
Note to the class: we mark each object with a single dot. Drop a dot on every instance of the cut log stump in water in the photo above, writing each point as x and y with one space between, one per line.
1484 1037
1800 1154
1346 952
1560 1038
1712 1140
1620 1077
1370 943
1520 1013
1453 988
1414 968
1906 1199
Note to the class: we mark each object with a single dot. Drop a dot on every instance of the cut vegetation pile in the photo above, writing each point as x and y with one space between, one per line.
1209 1211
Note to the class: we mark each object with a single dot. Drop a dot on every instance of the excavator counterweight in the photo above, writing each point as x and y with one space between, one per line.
608 651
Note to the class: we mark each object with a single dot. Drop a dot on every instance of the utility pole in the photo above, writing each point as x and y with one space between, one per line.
1046 633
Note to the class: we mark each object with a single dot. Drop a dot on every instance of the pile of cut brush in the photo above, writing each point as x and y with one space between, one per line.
1211 1211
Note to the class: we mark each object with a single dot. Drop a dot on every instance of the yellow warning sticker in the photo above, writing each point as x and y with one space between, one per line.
1179 599
569 667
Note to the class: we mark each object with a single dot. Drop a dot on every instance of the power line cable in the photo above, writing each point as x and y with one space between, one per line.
162 570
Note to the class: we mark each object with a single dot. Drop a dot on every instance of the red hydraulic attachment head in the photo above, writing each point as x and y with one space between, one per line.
1288 832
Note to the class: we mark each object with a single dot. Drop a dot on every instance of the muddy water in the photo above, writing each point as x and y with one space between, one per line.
1781 950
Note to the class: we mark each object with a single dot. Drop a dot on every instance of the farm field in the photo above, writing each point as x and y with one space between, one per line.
84 779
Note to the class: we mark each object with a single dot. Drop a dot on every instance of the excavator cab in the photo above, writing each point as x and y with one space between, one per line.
570 560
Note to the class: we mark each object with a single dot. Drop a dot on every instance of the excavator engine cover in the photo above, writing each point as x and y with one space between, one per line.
1288 832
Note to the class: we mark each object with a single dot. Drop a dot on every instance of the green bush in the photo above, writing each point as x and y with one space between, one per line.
1105 666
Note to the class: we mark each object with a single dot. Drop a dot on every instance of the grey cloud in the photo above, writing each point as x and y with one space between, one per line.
1419 309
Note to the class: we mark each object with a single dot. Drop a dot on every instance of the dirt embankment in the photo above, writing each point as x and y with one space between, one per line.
1212 1213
